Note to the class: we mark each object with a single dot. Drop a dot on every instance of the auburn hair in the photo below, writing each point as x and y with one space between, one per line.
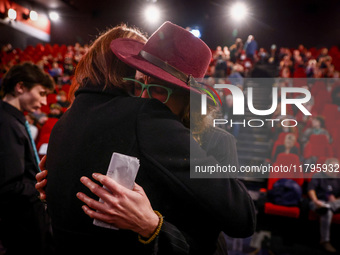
99 65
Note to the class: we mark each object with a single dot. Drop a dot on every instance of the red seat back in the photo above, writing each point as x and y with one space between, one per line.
289 160
318 146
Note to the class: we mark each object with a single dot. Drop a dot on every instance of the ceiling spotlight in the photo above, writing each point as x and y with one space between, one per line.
238 11
54 16
33 15
12 14
152 14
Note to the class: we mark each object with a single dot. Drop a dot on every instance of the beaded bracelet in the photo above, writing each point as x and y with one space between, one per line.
155 234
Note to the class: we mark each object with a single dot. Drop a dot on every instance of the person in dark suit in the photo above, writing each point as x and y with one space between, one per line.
24 224
104 119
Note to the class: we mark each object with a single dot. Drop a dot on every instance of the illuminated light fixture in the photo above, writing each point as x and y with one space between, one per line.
152 14
196 32
12 14
238 11
33 15
54 16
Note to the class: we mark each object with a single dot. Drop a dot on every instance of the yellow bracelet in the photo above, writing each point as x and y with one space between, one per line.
155 234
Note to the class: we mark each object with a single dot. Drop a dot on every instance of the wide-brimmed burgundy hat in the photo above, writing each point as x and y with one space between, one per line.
171 54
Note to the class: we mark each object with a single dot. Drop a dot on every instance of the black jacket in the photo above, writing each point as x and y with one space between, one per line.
17 161
102 122
24 224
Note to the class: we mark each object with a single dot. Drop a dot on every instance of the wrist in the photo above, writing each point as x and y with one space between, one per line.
156 231
151 227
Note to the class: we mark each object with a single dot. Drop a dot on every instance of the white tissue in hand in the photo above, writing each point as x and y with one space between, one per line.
123 169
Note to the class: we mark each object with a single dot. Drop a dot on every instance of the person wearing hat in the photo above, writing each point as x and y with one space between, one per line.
104 119
24 224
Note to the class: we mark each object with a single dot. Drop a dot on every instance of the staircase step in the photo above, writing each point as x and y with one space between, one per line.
262 152
257 131
248 142
253 153
253 144
251 158
253 137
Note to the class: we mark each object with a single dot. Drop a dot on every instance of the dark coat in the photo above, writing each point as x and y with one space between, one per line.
100 123
24 223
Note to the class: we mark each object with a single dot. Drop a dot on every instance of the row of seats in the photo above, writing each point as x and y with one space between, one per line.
300 178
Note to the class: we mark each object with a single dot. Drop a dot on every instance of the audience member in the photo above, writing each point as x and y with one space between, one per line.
287 147
251 47
62 99
40 117
226 53
336 96
55 111
318 128
323 54
55 71
262 56
236 50
310 69
324 193
24 222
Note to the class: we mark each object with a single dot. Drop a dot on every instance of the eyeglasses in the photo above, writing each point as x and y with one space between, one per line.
155 91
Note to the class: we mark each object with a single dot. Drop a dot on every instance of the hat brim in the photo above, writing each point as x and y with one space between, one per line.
127 50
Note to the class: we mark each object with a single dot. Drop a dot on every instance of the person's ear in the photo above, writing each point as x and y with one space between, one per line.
19 88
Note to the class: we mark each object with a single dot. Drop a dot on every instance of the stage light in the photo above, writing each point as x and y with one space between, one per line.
238 11
152 14
33 15
12 14
54 16
196 32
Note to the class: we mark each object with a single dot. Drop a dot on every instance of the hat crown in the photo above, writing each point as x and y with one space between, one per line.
180 49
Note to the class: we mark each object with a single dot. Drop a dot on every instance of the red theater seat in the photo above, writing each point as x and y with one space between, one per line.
318 86
336 141
51 99
48 126
317 146
66 88
280 210
287 159
45 109
314 216
331 114
323 98
43 141
280 140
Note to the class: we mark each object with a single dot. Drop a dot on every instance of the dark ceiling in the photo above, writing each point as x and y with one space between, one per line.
283 22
